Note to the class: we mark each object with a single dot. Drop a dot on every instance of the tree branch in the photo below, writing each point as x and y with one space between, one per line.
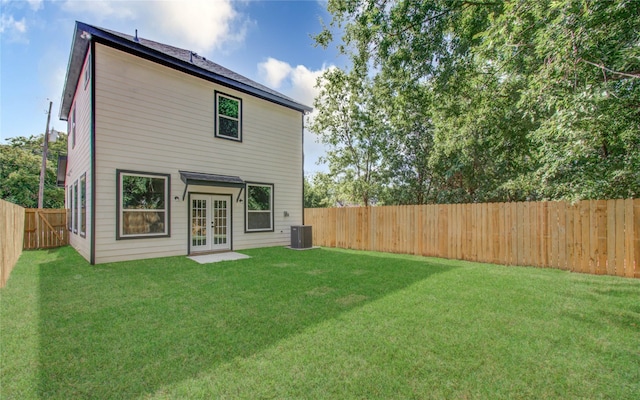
481 3
633 74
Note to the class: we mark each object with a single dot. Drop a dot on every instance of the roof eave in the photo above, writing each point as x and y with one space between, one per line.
80 46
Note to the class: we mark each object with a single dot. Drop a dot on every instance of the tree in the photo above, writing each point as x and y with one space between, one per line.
318 191
409 145
481 145
20 163
522 100
348 120
580 61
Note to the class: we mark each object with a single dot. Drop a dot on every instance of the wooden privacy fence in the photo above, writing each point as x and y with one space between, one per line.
11 232
45 228
592 236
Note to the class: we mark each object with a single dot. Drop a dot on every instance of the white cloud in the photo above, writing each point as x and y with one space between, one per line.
10 25
274 71
12 30
303 83
204 24
298 83
198 25
35 4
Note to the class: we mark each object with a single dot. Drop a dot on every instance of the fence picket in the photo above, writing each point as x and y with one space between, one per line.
577 239
585 214
619 239
611 237
513 222
570 222
601 252
629 259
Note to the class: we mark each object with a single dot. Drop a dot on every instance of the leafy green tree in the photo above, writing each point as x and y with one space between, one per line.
580 61
522 100
409 145
349 121
480 142
434 154
20 163
319 191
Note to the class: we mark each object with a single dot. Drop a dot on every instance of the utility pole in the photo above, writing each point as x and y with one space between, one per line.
43 168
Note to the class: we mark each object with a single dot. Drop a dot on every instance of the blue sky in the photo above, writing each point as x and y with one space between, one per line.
265 40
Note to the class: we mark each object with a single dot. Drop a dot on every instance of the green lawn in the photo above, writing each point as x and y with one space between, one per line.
323 323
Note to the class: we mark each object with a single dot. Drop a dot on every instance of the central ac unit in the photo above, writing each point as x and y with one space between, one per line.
301 237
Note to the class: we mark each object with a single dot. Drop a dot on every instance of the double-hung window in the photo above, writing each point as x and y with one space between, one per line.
143 205
83 205
228 117
74 215
69 207
259 207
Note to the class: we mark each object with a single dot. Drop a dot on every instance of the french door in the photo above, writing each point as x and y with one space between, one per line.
210 217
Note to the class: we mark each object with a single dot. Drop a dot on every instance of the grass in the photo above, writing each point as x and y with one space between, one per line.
324 323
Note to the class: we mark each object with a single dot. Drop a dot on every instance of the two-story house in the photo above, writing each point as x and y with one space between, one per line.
171 154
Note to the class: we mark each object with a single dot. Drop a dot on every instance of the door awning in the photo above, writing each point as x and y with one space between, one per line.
202 179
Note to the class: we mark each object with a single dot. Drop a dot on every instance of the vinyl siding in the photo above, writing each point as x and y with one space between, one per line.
79 159
151 118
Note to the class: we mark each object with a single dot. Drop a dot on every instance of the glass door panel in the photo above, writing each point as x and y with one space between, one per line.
200 223
220 223
210 218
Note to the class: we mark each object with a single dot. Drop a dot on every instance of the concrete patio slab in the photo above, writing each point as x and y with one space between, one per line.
217 257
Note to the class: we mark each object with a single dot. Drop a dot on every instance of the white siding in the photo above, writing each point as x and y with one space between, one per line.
151 118
79 158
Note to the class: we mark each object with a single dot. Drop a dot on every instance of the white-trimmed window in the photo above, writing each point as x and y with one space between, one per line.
228 117
143 204
259 207
83 205
69 208
74 214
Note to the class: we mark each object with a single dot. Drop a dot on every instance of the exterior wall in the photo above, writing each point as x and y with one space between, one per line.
79 157
151 118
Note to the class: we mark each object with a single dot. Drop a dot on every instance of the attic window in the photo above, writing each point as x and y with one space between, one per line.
228 117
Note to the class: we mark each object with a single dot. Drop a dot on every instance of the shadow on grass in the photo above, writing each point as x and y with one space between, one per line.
127 329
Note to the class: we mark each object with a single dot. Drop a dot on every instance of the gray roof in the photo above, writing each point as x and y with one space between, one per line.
181 59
